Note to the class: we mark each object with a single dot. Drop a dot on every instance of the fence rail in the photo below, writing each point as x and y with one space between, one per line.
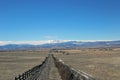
32 72
66 72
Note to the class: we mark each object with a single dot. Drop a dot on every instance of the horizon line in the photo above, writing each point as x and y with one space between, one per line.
40 42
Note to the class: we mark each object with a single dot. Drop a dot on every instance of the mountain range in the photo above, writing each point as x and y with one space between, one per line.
62 44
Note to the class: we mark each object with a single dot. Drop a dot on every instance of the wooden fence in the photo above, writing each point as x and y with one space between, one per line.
66 72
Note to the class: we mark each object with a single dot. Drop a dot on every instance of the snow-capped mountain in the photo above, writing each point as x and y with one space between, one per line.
10 45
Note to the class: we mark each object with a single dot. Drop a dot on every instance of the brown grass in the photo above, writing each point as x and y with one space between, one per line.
16 62
101 64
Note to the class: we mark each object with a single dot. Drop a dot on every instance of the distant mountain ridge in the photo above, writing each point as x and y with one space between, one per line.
64 44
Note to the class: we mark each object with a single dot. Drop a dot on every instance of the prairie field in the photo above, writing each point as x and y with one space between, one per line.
13 63
102 64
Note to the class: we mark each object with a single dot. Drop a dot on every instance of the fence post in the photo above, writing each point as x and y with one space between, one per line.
16 78
19 77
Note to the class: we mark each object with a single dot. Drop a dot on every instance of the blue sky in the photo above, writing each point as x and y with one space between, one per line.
27 20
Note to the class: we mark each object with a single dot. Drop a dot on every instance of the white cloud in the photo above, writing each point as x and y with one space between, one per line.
31 42
5 42
44 42
22 42
50 37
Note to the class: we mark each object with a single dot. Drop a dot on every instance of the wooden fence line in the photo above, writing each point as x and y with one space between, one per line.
66 72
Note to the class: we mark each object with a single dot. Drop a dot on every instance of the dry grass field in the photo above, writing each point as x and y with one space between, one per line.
103 64
16 62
